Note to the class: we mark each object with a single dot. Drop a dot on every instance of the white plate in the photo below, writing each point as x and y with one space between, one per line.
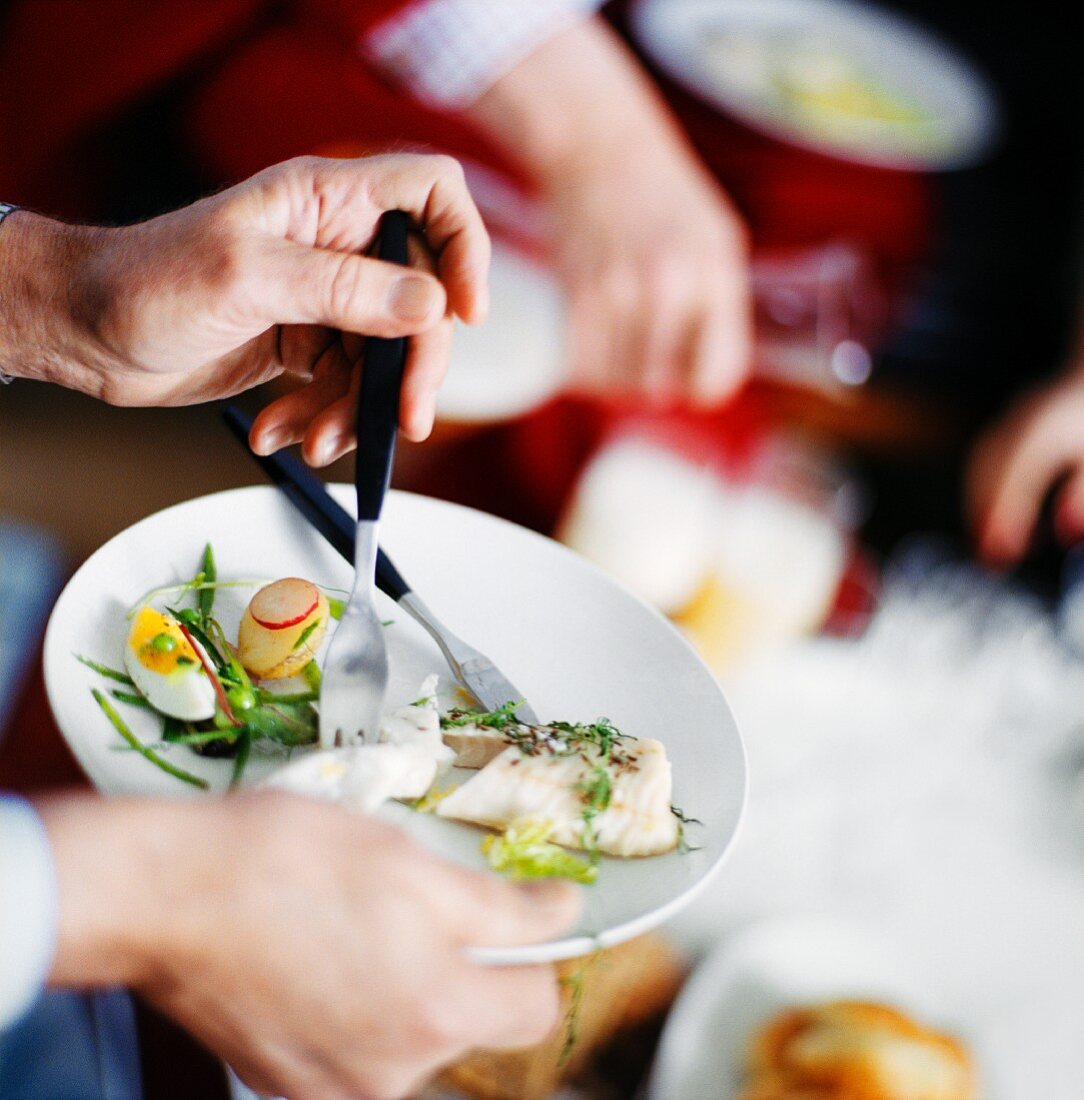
684 37
516 361
576 643
768 967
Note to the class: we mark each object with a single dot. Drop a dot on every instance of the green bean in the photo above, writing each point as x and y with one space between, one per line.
130 698
241 759
121 727
205 597
105 670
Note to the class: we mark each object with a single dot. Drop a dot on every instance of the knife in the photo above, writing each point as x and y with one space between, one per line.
473 670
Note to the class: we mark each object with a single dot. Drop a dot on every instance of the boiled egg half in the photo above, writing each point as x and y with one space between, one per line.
167 669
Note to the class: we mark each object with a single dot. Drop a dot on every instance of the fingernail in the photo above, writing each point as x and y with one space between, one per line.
412 298
269 441
324 450
427 413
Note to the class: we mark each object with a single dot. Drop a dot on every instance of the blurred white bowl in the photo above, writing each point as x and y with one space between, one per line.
759 971
515 362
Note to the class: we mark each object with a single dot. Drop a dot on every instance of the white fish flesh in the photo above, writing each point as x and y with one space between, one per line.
403 764
549 785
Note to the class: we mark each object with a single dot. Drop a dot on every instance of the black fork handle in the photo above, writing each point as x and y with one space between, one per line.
378 394
310 497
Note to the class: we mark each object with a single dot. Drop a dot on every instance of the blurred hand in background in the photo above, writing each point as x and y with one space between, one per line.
1020 460
652 254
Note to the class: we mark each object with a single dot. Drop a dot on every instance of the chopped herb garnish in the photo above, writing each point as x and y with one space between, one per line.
575 984
491 719
684 847
335 607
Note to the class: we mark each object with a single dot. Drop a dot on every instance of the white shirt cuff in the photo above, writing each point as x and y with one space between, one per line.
448 52
28 907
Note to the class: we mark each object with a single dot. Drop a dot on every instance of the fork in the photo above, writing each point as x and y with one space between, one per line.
474 671
356 668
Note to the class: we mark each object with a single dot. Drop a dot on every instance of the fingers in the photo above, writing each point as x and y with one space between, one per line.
298 416
667 331
1015 466
336 205
323 412
486 911
1069 511
721 347
434 191
295 284
428 358
508 1007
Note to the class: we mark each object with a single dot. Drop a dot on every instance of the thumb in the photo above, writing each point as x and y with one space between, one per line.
305 285
493 913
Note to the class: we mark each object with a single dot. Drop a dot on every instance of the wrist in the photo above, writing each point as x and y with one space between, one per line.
586 73
128 887
44 301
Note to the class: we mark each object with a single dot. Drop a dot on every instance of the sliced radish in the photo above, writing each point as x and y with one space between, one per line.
284 603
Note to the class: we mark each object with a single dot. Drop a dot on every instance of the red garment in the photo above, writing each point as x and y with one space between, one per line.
262 81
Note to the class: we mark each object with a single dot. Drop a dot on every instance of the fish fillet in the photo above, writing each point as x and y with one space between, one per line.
637 822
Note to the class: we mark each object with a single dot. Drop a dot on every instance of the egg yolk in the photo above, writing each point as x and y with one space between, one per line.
159 645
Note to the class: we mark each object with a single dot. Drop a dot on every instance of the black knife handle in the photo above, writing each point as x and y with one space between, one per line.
310 496
378 394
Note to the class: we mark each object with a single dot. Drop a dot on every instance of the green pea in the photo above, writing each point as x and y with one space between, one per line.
241 699
163 643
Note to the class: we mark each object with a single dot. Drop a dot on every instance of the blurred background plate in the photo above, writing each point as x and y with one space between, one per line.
836 76
515 362
578 644
771 965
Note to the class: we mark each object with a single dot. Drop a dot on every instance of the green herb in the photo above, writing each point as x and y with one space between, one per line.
387 622
105 670
190 621
265 696
130 698
335 607
603 735
204 737
684 847
312 676
288 724
575 984
121 727
306 634
205 597
524 851
184 662
174 728
595 791
241 759
491 719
